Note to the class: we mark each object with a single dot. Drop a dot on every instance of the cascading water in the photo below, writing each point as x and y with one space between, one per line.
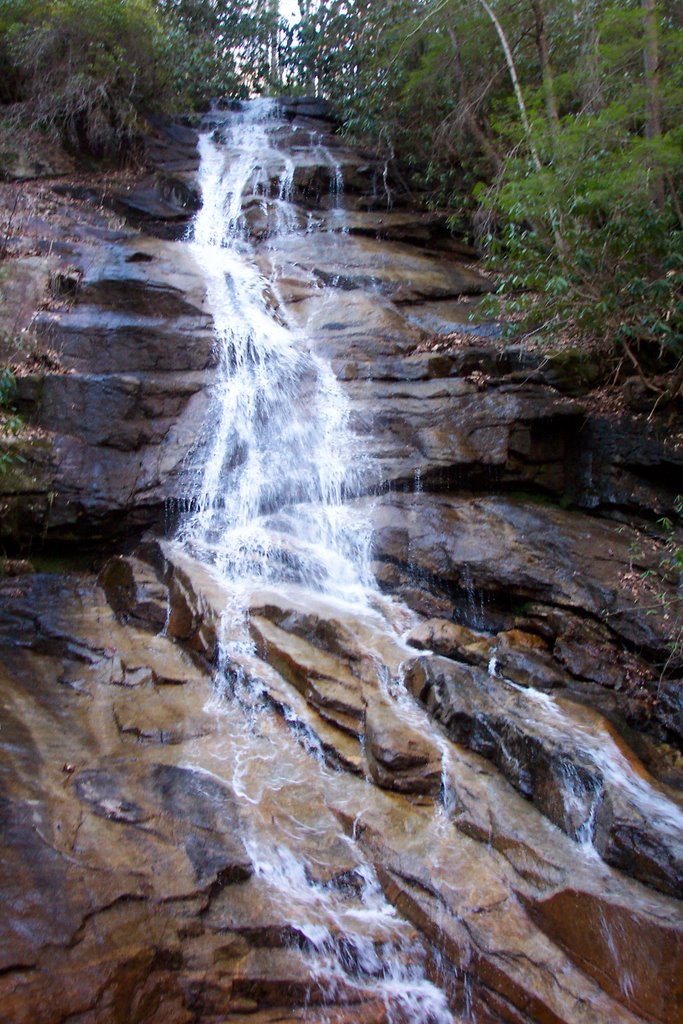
277 460
268 517
279 456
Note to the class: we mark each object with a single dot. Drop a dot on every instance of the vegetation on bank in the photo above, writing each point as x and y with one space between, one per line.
555 133
10 422
90 71
550 132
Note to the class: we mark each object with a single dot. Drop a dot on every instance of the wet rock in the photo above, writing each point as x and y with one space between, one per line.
89 339
343 635
276 976
587 655
625 464
447 435
133 591
526 664
357 328
452 889
195 598
158 897
513 428
496 556
420 597
315 183
336 746
163 204
160 716
426 230
322 679
165 282
141 411
204 804
120 412
611 946
566 760
395 270
399 757
452 641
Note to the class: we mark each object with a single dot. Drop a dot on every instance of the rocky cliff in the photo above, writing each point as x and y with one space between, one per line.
489 756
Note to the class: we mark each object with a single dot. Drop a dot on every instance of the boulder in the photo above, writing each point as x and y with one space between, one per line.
451 640
398 756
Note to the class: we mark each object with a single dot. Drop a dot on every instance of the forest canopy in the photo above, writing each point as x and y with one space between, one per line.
551 133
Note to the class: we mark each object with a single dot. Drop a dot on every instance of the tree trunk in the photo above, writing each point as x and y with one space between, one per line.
653 103
509 60
546 69
653 122
467 109
560 243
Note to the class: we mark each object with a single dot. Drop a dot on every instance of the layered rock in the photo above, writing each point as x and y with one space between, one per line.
218 798
129 339
151 832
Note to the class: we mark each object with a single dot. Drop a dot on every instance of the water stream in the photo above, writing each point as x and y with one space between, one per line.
268 509
274 466
279 456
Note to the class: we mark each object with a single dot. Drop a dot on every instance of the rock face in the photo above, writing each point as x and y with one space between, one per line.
565 760
123 317
459 801
119 792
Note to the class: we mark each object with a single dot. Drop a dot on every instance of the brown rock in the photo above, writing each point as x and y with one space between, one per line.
134 592
592 789
452 641
527 663
321 678
398 756
161 716
489 553
635 961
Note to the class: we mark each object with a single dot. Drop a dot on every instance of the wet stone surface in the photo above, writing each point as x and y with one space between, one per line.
447 802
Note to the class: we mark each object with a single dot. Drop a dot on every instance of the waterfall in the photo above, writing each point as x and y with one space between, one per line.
277 456
274 464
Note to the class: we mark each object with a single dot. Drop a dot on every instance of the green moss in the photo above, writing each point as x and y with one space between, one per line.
59 562
574 369
532 498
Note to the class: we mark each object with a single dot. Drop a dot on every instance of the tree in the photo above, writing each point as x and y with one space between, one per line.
90 70
85 68
226 47
557 129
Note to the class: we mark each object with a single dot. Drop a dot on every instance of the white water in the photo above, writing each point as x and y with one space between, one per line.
267 507
356 946
279 456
